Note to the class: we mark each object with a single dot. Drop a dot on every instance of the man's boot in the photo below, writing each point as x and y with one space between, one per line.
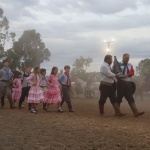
136 113
2 102
10 102
117 110
101 109
70 106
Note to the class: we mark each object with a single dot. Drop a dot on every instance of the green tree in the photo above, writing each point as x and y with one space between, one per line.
87 62
5 36
80 67
143 67
29 50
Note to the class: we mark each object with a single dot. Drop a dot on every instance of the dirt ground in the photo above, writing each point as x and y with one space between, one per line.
82 130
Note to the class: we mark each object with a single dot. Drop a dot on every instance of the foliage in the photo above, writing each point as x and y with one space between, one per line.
5 36
143 67
80 67
29 50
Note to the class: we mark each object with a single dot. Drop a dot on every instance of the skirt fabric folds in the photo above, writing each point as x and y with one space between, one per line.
52 96
35 95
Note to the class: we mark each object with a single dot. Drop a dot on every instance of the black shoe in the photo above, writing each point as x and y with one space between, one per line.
139 114
33 111
60 110
71 110
12 107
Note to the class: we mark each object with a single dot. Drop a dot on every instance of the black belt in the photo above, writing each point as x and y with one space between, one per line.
106 83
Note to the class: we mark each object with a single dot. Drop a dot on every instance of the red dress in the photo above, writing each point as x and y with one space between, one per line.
53 94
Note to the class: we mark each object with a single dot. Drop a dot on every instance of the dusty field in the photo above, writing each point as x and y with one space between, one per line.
82 130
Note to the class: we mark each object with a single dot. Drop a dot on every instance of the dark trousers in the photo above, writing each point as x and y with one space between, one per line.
107 91
124 89
9 99
5 90
66 96
24 94
2 101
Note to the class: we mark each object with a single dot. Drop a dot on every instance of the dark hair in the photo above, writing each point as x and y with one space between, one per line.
53 69
125 54
42 70
67 67
107 57
16 74
5 60
28 67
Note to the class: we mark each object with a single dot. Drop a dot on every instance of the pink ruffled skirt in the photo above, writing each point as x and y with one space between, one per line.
16 94
35 95
52 96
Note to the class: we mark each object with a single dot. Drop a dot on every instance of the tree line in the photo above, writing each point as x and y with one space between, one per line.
28 50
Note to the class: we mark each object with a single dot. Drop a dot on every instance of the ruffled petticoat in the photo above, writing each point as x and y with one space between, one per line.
35 95
16 94
52 96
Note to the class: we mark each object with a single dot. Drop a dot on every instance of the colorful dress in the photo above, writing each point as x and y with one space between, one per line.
17 90
52 96
35 94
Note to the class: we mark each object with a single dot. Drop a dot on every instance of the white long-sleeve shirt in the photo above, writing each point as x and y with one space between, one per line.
105 73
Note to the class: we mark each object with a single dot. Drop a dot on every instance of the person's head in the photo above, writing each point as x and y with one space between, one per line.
67 68
36 70
126 58
28 69
5 63
108 59
17 74
54 71
43 71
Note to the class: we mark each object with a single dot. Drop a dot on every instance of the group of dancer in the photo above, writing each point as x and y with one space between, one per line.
36 87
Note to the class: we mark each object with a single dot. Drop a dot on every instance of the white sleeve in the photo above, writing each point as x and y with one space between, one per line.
107 72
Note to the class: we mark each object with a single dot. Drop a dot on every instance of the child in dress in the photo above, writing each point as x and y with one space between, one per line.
17 87
35 94
53 94
43 83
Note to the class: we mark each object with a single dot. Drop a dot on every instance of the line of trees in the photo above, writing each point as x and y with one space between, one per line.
79 70
143 68
29 49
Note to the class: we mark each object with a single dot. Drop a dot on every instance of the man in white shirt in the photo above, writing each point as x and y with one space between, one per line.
108 87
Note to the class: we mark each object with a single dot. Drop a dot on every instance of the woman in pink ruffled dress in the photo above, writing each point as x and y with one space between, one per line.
53 94
17 87
35 94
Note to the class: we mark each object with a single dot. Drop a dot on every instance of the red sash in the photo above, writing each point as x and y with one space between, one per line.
68 82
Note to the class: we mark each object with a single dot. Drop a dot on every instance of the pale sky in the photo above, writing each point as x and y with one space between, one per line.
74 28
